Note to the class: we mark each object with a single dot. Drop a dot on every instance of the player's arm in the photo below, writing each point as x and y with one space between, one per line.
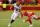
11 6
26 20
22 15
20 10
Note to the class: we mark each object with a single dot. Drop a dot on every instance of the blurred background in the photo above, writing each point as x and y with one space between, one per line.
26 4
23 2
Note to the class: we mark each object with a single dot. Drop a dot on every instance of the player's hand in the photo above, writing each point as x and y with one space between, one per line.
20 16
23 20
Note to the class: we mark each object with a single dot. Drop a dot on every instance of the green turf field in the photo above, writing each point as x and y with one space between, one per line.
5 18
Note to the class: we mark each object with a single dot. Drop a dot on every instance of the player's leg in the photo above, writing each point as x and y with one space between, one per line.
36 17
10 23
30 21
13 19
31 25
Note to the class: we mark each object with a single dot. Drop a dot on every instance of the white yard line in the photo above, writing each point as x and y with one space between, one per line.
10 19
5 19
28 22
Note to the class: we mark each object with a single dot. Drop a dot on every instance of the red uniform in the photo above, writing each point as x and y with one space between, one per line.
30 15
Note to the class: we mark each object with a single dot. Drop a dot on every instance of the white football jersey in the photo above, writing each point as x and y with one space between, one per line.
16 7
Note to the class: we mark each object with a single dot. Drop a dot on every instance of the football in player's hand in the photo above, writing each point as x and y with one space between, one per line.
23 20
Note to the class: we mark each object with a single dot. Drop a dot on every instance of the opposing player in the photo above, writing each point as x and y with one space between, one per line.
30 15
17 8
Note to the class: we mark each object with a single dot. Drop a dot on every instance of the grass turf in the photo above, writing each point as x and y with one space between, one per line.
5 19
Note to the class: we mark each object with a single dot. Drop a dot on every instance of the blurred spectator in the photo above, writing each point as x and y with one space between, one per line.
28 1
0 2
4 6
7 2
4 1
18 1
22 1
13 1
0 8
10 1
33 1
36 2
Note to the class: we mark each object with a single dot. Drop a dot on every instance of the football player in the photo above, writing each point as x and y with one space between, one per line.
31 15
17 9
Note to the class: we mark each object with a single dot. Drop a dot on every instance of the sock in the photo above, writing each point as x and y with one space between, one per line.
38 18
12 21
30 21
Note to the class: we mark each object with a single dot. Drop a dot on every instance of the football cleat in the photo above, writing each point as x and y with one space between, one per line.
31 25
9 24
